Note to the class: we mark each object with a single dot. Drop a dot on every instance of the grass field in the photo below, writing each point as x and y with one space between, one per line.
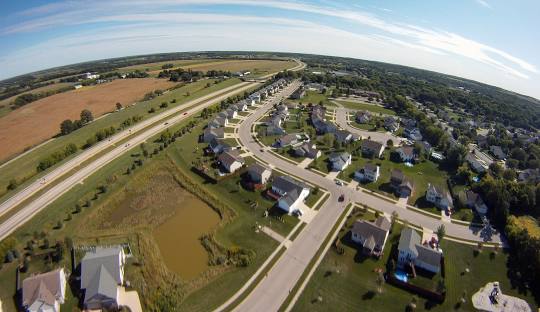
18 129
348 282
420 174
366 106
151 67
24 168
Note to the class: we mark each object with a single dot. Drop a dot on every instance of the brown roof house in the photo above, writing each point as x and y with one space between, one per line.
371 236
44 292
259 173
372 148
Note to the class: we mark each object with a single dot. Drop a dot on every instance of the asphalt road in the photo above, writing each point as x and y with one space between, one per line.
381 137
273 290
36 205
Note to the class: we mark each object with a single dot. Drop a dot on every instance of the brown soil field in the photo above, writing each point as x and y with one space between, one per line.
40 120
5 103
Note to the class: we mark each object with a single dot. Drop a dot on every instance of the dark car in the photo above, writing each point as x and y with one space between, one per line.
341 198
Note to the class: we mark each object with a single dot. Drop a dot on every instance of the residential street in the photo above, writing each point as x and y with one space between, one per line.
272 291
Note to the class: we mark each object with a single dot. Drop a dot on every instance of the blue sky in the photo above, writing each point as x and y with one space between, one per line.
493 41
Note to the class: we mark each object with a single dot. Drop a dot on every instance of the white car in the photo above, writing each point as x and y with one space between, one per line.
338 182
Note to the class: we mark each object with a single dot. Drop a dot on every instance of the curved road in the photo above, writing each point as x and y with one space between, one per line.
35 206
272 291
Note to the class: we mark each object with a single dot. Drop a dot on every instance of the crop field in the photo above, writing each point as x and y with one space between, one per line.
5 103
153 67
40 120
23 169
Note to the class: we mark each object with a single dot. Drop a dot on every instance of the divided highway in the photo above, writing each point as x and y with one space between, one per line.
135 138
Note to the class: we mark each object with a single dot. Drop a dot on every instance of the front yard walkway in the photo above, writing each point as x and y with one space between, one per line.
276 236
332 175
304 163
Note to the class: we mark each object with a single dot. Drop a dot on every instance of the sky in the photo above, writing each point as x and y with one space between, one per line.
492 41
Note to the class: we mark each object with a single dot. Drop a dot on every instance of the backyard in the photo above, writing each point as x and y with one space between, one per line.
348 282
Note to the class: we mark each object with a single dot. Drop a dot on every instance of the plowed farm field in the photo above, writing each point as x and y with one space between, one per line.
39 121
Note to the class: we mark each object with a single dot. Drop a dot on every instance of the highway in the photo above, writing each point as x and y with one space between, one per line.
135 138
273 290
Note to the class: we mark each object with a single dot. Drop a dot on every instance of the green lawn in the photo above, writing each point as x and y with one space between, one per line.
348 282
421 174
366 106
24 168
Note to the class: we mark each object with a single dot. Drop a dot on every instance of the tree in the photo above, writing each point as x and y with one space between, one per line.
390 143
441 232
12 185
394 218
66 127
118 106
509 175
59 251
86 116
78 208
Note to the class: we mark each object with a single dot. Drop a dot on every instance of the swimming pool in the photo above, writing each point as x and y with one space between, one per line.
401 275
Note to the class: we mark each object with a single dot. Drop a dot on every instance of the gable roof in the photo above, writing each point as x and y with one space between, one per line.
288 184
397 175
228 158
371 145
102 284
257 168
408 241
45 288
407 150
371 231
428 255
369 167
93 261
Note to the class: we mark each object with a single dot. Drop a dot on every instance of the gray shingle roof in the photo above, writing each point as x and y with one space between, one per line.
408 241
370 230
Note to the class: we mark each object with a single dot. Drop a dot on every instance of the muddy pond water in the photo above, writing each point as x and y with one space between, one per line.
178 237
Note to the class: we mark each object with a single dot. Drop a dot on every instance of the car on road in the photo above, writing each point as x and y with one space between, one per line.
166 123
341 198
262 150
338 182
185 113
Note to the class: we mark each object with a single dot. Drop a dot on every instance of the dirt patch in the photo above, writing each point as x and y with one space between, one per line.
40 120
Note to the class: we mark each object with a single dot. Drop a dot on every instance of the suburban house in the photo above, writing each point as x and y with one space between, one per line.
391 124
210 134
273 129
218 146
476 164
371 236
412 252
258 173
401 185
340 161
343 136
307 150
372 148
298 94
231 113
317 120
439 197
481 140
241 106
254 98
218 122
363 117
102 272
288 139
369 172
408 122
413 134
230 161
497 152
474 200
44 292
291 193
406 153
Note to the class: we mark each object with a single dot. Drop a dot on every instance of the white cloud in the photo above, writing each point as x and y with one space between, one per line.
136 16
484 3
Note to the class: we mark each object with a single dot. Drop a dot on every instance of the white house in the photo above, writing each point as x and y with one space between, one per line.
231 113
477 165
340 161
412 252
368 173
230 161
44 292
441 198
291 193
363 117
